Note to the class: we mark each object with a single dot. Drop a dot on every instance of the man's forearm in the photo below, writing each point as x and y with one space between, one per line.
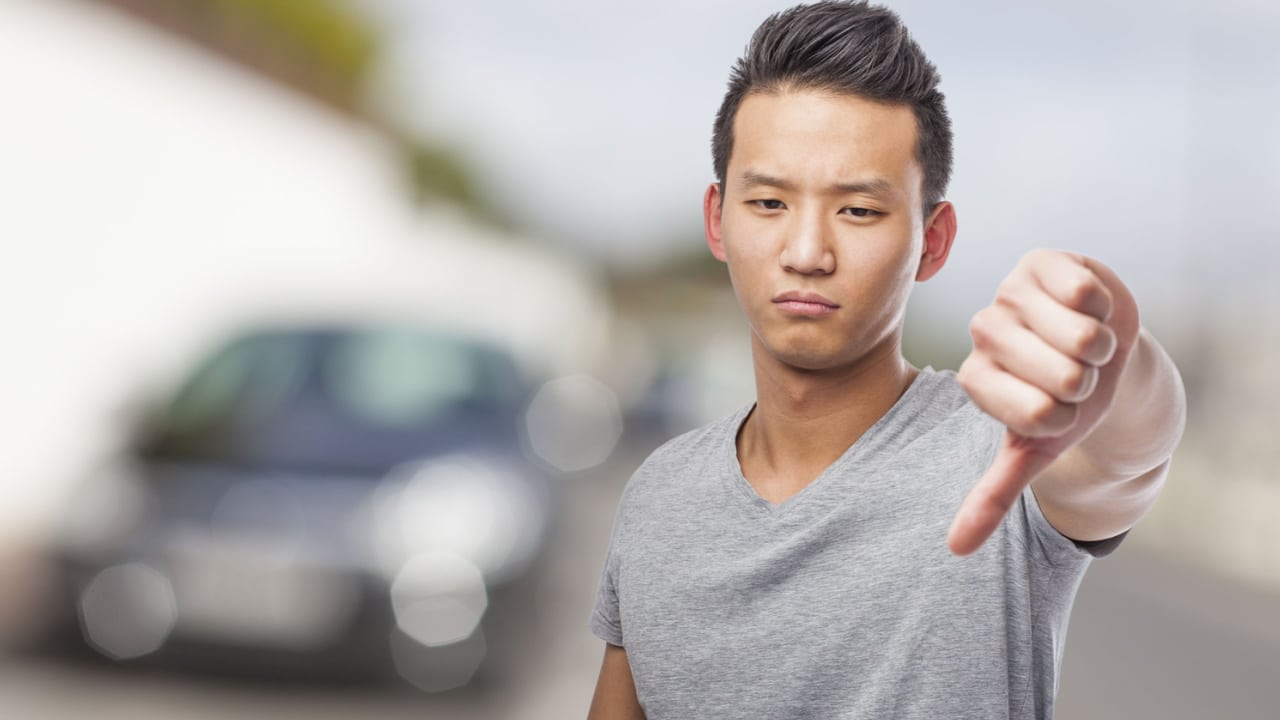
1146 418
1104 485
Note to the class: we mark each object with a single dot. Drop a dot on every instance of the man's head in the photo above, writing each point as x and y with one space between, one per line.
845 48
825 165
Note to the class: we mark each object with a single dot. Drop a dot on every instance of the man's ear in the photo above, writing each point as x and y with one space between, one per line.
712 204
939 233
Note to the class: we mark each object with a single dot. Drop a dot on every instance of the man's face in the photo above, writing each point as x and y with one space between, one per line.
821 225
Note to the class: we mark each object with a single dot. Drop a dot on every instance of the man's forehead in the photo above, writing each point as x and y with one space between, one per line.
842 137
846 115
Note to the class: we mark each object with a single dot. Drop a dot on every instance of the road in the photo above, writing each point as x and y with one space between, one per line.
1147 639
1152 639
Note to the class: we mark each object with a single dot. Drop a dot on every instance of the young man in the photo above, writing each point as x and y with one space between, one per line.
867 539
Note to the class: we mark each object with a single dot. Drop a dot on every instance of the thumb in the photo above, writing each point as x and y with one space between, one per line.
1018 461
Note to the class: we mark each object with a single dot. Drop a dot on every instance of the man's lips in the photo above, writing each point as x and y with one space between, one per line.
805 303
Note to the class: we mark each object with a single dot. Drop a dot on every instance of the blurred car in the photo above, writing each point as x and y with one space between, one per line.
336 498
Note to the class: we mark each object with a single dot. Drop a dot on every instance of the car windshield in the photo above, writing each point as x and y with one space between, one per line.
341 400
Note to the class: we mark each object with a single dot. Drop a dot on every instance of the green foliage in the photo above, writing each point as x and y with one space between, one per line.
437 172
327 31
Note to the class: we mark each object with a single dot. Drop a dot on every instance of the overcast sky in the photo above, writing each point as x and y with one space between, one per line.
1139 132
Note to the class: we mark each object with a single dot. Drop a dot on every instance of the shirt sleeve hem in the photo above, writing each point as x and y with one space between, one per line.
1054 547
604 630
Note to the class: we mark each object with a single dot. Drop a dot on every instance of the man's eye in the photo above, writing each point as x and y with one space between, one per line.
860 212
768 204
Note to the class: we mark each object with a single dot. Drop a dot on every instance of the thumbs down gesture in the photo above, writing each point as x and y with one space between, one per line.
1048 358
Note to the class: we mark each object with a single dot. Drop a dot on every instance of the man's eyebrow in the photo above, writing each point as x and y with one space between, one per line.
877 186
753 179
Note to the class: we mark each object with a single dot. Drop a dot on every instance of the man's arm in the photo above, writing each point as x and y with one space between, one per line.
1093 406
1104 485
615 697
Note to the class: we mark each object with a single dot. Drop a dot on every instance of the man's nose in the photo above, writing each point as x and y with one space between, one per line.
808 248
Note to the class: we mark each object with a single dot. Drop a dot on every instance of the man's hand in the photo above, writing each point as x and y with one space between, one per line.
1047 358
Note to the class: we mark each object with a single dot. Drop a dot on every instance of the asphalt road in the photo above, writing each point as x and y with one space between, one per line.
1148 639
1152 639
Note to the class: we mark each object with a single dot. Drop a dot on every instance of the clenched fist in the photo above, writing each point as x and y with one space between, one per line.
1047 358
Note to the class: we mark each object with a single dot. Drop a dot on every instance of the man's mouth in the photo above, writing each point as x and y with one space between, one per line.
805 303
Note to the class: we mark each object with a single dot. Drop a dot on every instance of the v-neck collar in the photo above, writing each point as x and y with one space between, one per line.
820 484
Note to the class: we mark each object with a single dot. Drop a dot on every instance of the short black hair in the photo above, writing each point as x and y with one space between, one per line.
844 47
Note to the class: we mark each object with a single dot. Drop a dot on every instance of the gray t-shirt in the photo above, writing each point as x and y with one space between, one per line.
843 601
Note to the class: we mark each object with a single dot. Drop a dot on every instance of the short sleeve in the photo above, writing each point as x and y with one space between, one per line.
1055 547
1102 548
606 618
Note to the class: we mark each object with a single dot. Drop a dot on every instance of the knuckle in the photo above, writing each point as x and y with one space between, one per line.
1008 288
1037 255
1086 339
1046 416
1081 292
1040 411
981 328
1086 294
965 374
1071 381
1076 382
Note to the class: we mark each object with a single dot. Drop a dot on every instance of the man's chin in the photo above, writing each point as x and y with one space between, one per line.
809 360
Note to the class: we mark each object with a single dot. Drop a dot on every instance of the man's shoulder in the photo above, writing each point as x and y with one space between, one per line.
932 424
941 392
935 400
693 454
706 442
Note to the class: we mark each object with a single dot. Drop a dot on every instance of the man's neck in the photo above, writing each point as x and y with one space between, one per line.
803 421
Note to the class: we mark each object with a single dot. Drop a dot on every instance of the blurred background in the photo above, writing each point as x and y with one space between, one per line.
334 330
